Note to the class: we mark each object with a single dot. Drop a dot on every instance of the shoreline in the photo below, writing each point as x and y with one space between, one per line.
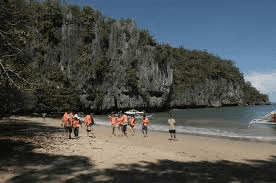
112 153
234 138
179 134
256 139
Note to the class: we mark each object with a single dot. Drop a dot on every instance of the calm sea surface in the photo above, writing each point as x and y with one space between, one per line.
228 122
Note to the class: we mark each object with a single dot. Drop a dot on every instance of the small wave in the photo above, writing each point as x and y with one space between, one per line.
212 132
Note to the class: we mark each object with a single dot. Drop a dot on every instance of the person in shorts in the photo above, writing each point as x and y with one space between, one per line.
145 123
132 122
89 122
113 121
125 123
171 122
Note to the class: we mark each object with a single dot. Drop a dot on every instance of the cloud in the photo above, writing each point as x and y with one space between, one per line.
264 82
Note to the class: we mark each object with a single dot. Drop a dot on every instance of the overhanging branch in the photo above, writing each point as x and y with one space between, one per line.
7 74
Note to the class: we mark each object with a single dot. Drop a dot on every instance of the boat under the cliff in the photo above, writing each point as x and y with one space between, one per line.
269 118
138 114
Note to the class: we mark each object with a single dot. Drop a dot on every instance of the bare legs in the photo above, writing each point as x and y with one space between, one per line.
113 130
173 136
133 131
120 129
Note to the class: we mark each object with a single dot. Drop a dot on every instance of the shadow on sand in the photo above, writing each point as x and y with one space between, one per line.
16 127
18 140
17 156
194 172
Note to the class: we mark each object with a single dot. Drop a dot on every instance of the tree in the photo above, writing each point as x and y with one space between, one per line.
14 36
53 91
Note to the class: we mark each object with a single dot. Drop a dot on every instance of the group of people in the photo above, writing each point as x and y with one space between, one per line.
72 122
122 121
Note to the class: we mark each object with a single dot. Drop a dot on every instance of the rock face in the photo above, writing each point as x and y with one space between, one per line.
132 75
211 93
113 90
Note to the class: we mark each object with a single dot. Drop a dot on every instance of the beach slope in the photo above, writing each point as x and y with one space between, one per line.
41 152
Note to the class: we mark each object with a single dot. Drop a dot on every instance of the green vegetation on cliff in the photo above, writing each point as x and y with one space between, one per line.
67 56
195 66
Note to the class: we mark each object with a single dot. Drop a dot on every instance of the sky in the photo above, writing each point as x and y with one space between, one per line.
242 31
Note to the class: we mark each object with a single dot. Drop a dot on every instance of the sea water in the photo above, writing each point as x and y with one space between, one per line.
228 122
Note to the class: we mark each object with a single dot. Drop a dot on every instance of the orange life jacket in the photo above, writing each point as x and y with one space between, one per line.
132 121
71 119
87 120
113 120
145 121
76 123
65 118
120 120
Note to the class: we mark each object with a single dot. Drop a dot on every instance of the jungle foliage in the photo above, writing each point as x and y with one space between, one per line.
28 32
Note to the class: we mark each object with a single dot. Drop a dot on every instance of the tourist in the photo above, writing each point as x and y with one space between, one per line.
145 123
171 122
89 122
120 123
125 123
70 126
76 124
71 116
132 124
113 121
65 122
44 116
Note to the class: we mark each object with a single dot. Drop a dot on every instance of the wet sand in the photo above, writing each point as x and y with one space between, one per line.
106 152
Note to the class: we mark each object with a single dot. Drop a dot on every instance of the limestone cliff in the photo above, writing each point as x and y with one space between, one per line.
77 59
211 93
128 73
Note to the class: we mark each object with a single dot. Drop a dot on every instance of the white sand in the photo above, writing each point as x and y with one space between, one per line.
107 151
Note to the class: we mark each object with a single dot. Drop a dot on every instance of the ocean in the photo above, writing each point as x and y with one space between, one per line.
226 122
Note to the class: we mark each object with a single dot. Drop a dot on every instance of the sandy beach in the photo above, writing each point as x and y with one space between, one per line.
33 151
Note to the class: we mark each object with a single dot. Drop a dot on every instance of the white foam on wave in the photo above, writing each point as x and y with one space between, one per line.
193 130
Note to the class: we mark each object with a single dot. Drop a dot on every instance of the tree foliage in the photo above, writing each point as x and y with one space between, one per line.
29 32
195 66
53 91
146 38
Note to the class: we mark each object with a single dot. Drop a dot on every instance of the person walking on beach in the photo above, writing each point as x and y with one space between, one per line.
76 124
65 122
171 122
145 123
113 121
44 116
132 124
71 117
120 123
70 125
125 123
89 122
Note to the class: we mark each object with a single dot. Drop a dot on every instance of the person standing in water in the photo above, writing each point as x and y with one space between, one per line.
113 121
132 124
171 122
145 123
